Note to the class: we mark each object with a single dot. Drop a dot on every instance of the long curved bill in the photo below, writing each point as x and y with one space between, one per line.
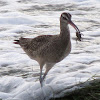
77 30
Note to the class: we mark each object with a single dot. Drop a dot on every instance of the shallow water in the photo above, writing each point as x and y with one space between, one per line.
37 17
17 22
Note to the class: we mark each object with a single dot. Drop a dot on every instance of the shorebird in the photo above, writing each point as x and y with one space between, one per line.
50 49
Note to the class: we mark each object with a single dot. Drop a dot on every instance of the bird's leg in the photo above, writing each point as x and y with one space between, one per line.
44 75
48 67
41 79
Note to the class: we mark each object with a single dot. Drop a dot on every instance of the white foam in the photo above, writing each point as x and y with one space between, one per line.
66 76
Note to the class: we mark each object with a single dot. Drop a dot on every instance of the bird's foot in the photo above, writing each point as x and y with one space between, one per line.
41 82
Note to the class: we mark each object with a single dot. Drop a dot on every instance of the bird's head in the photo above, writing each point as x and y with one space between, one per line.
66 18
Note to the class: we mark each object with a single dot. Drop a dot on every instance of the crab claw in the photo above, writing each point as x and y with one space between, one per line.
79 36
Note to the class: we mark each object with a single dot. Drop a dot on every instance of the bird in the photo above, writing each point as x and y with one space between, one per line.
50 49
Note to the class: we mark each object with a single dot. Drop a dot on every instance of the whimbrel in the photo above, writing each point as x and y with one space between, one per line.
50 49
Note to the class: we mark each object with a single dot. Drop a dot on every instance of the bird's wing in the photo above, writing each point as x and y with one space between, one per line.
39 41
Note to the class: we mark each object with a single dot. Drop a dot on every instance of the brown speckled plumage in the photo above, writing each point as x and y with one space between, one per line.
49 49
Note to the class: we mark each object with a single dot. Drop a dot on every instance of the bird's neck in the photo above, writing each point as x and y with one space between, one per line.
64 31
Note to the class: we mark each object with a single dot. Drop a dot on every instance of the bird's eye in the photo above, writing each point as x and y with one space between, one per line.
64 18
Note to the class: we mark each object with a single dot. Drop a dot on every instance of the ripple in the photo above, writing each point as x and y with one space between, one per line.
55 7
2 3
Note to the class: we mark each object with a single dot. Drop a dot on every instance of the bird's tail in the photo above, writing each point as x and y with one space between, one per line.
16 42
21 41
